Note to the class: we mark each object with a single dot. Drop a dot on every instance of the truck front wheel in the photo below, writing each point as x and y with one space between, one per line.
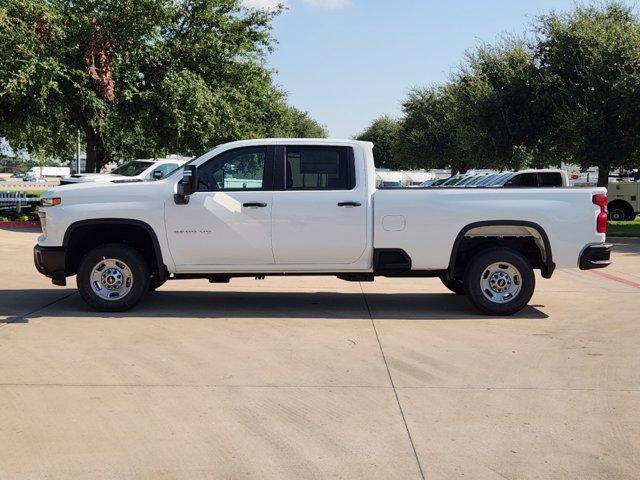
113 277
499 281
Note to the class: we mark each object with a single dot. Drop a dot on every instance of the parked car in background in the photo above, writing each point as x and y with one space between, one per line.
477 179
438 182
50 171
31 178
391 184
524 178
452 181
17 175
624 199
495 180
389 179
132 171
536 178
466 181
431 183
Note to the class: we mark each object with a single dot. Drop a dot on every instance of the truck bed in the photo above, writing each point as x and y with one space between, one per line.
425 223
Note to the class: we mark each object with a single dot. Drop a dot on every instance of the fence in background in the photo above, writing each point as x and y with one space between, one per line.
16 201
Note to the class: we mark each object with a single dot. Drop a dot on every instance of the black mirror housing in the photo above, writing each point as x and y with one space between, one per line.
188 184
157 174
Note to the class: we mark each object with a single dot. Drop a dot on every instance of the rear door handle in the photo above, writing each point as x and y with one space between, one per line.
254 205
349 204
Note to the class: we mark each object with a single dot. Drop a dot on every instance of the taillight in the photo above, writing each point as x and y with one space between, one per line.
600 199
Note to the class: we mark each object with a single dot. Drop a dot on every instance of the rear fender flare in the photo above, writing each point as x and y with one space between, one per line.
548 265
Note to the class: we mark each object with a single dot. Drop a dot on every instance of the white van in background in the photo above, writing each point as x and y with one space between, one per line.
624 199
40 172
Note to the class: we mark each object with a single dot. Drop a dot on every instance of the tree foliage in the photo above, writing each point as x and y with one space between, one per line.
571 93
383 132
138 77
590 62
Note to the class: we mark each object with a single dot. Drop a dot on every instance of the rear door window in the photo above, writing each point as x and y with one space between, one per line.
319 168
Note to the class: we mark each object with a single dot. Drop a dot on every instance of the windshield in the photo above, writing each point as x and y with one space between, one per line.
131 169
476 180
181 167
488 179
465 181
499 182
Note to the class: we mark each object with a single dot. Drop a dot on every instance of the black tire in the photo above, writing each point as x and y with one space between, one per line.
617 214
478 268
620 211
454 284
136 264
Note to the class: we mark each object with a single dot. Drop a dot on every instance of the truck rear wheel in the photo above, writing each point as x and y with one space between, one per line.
454 284
113 277
499 281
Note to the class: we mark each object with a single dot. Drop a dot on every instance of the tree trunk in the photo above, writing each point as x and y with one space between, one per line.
603 175
96 155
459 168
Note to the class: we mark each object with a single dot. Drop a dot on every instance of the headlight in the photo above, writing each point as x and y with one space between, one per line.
51 201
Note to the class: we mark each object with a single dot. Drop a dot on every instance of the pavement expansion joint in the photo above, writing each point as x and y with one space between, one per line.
395 392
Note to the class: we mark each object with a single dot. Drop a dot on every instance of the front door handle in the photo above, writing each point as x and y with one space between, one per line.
254 205
349 204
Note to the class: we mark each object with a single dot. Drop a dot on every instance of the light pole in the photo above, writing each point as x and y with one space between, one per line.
78 153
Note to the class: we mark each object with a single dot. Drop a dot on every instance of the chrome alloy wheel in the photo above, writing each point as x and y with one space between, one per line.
111 279
501 282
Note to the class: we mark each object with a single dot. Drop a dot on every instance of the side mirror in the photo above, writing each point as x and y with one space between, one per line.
187 186
157 174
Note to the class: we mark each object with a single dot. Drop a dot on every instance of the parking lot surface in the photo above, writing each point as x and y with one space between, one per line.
312 377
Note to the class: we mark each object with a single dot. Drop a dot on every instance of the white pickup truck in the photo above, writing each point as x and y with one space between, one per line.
311 207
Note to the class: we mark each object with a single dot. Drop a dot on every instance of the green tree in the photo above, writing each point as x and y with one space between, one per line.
503 97
434 131
295 123
569 94
137 77
589 62
384 132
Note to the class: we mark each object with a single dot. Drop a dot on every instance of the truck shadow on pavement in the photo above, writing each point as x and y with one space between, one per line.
250 304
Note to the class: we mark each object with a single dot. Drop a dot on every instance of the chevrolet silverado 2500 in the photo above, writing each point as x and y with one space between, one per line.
311 207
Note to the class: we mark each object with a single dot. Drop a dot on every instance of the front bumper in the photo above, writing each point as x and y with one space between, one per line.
51 262
596 256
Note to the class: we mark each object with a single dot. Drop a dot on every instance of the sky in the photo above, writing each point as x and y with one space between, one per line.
347 62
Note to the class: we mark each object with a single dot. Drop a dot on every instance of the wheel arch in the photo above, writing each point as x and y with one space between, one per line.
491 229
112 225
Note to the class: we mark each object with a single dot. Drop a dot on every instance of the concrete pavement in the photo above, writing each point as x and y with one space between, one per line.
312 377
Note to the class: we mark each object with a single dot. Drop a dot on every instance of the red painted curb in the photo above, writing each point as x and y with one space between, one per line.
18 224
615 278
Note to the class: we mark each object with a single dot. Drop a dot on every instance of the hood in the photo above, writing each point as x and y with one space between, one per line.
92 177
110 192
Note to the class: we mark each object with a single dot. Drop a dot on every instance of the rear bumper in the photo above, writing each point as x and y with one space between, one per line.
596 256
51 262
